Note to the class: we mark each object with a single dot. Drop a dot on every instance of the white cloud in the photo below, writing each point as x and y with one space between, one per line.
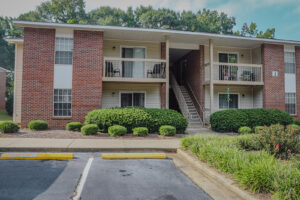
14 8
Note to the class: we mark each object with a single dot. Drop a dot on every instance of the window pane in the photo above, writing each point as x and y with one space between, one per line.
63 51
233 101
290 103
126 99
223 101
62 102
223 57
139 99
232 58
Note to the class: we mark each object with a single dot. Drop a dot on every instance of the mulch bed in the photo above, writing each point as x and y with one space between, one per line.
64 134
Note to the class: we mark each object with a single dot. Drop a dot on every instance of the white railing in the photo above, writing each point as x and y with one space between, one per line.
134 68
179 96
235 72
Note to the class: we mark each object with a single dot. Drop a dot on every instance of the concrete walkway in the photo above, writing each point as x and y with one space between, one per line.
87 145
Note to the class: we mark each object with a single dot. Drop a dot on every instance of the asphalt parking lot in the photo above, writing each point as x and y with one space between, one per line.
140 179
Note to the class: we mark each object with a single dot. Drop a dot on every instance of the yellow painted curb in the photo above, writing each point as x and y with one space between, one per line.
134 156
36 156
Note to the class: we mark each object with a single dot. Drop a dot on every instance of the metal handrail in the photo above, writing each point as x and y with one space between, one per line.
179 96
201 107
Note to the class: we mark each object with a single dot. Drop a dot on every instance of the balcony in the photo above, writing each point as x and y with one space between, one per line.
234 73
133 70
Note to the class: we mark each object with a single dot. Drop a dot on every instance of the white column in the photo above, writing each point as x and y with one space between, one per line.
211 84
167 71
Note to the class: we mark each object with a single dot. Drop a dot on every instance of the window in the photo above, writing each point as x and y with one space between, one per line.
133 99
228 57
63 51
227 72
290 103
233 101
63 102
289 62
133 69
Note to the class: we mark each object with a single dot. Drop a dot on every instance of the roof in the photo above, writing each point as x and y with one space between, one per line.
5 70
145 34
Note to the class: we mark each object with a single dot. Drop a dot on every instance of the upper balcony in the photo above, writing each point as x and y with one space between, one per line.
134 70
234 74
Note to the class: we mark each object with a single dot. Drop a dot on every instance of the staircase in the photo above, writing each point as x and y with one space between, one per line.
186 104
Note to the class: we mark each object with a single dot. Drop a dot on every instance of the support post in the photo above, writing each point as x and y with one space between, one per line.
211 84
167 71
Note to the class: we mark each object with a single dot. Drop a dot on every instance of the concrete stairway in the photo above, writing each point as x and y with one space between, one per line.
194 118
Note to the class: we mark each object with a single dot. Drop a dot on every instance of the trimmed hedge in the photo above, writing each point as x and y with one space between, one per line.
73 126
231 120
9 127
38 125
244 130
117 130
167 130
131 117
89 129
140 131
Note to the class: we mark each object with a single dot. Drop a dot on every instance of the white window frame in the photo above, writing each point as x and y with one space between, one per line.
69 116
128 46
56 37
126 92
239 100
295 102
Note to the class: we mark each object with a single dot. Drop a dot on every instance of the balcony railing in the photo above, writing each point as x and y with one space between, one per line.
134 68
234 73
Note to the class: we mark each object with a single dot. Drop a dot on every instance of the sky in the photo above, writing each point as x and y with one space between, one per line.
283 15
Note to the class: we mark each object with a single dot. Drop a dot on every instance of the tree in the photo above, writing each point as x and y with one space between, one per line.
252 31
107 16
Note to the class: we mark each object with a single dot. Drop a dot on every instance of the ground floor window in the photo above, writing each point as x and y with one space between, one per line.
290 103
232 103
63 102
132 99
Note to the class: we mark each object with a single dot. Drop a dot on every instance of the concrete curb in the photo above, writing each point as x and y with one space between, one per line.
41 149
215 176
36 156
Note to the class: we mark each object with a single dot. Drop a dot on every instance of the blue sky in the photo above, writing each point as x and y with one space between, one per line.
283 15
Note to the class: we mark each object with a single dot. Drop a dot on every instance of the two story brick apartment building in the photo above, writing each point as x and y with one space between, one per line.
63 71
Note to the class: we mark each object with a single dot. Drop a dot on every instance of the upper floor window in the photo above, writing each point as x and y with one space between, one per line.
228 57
289 62
63 51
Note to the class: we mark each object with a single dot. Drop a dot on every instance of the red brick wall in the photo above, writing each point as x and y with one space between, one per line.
163 85
2 89
273 91
38 72
194 76
87 73
38 68
297 55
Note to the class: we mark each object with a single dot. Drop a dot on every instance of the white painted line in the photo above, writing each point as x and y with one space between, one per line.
83 178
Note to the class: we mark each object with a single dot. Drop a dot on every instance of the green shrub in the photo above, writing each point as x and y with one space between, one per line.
231 120
131 117
117 130
73 126
167 130
297 122
89 129
260 171
249 142
140 131
9 127
294 127
244 130
38 125
279 141
258 129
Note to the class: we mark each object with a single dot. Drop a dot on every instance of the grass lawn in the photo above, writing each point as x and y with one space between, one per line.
4 116
256 170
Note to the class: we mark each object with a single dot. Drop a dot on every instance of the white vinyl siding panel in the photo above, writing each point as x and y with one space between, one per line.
63 76
252 96
111 93
112 48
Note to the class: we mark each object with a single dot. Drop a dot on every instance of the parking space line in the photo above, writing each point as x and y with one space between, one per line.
83 178
134 156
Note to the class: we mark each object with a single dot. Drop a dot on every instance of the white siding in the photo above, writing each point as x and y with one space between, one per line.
290 83
64 32
63 76
256 55
111 93
252 96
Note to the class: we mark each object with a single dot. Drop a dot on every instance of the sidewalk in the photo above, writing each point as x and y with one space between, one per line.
87 145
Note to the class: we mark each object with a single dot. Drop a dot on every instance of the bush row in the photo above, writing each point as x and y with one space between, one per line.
132 117
260 172
231 120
